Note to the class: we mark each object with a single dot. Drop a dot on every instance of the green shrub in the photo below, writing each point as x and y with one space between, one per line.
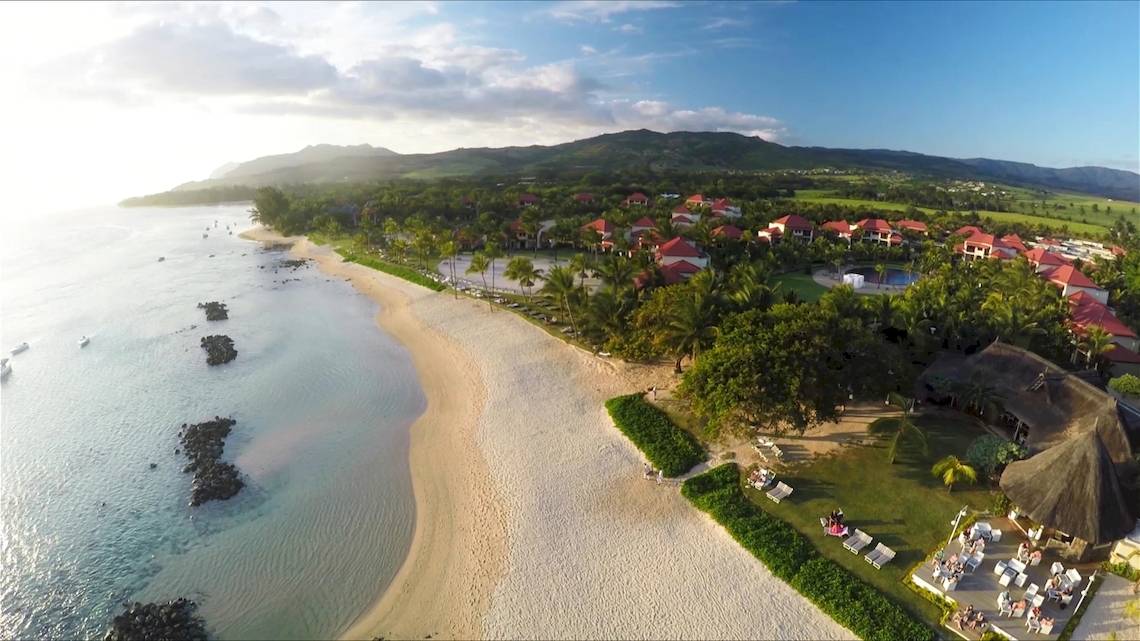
1126 384
788 554
399 271
668 447
990 454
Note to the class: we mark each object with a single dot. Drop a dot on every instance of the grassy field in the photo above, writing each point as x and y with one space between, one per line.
802 284
822 197
901 505
1069 206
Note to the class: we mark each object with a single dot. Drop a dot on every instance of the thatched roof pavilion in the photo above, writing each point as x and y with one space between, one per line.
1072 487
1055 404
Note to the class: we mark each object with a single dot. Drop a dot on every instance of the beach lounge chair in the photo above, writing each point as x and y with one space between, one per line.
995 536
1046 628
999 568
1056 568
780 492
1031 591
880 556
973 562
1074 577
857 542
1021 579
1005 578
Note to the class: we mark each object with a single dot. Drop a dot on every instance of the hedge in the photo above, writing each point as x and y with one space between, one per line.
668 447
400 271
789 555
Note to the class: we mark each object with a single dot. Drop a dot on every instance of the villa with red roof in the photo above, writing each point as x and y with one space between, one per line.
724 207
684 217
840 228
681 250
1086 311
878 230
645 223
1014 241
698 200
1072 281
603 232
1044 260
794 226
528 200
968 230
636 199
985 246
729 232
916 226
584 198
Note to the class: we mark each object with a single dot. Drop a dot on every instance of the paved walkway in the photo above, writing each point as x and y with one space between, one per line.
1105 615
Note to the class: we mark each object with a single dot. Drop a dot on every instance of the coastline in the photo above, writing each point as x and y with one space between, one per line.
444 585
533 517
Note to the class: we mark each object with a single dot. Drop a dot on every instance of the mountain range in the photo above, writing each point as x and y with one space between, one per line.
648 151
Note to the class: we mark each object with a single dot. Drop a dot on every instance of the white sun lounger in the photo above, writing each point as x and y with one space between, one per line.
880 556
780 492
858 541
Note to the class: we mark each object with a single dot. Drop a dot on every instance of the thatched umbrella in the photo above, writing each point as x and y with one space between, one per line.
1072 487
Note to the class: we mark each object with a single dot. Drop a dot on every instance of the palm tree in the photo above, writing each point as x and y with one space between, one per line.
881 270
448 251
560 284
896 429
1095 344
952 470
617 272
579 263
690 326
479 265
493 252
976 395
521 270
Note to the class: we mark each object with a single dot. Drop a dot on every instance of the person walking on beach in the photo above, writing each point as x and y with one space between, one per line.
654 390
660 476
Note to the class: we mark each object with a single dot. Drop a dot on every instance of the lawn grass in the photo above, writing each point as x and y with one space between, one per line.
802 284
901 505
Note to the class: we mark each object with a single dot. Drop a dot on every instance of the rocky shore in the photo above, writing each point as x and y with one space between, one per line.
215 311
219 349
203 444
175 620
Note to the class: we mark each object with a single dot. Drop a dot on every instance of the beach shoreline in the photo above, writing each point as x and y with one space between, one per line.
443 587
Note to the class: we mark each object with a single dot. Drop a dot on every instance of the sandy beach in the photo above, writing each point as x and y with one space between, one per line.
533 519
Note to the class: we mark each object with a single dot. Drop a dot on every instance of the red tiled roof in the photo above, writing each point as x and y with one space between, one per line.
1117 250
676 272
981 239
695 198
1086 311
583 196
681 209
679 247
1050 242
1043 256
840 226
1121 354
1013 241
637 197
721 203
645 221
793 221
731 232
912 225
968 230
874 224
600 225
528 198
1069 275
896 239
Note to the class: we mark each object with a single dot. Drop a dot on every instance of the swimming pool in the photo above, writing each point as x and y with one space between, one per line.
893 276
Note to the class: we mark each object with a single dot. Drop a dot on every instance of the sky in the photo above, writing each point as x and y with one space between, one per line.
108 100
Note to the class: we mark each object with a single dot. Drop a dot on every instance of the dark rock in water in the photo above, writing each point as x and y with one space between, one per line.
175 620
153 465
294 263
219 349
215 310
213 479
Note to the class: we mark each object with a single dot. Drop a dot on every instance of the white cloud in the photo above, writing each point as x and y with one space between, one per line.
629 28
602 10
587 50
717 24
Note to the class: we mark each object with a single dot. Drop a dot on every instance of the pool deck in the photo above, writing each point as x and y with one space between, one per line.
826 278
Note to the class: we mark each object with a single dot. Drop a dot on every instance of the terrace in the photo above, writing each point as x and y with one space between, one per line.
982 585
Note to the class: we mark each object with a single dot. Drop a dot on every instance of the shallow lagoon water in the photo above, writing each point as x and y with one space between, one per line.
323 401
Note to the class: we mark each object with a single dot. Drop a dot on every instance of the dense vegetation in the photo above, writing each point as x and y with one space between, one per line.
787 554
208 196
668 447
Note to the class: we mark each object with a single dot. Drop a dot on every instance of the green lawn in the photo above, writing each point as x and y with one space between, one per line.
901 505
802 285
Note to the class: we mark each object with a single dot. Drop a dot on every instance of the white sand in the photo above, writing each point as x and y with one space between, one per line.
588 548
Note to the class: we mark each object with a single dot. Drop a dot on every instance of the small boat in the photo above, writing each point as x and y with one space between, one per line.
161 258
83 341
5 368
205 235
19 348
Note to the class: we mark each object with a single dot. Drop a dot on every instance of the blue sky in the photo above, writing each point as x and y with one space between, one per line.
199 84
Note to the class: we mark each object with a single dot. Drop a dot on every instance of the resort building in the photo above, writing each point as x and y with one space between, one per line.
602 231
520 238
1071 281
697 200
645 223
636 199
1044 260
724 207
679 250
878 230
527 200
913 226
584 198
982 245
728 232
676 272
968 230
841 228
684 217
793 226
1014 241
1086 311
